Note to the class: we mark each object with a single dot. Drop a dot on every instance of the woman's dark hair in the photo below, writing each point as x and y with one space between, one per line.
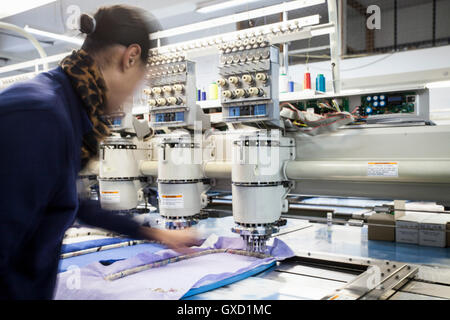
118 24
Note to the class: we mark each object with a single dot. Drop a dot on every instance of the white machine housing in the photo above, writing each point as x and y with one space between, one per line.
181 182
259 184
119 174
173 109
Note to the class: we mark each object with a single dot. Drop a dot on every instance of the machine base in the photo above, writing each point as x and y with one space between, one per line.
255 236
180 223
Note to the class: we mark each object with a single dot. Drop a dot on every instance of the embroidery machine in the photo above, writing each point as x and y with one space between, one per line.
254 147
246 154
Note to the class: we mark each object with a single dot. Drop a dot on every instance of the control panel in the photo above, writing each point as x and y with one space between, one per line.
408 105
171 92
249 81
388 103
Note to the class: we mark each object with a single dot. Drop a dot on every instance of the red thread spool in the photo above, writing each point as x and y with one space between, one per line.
307 81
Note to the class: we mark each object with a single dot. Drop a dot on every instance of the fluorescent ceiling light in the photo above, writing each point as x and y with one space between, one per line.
226 37
438 84
33 63
216 6
77 41
9 8
234 18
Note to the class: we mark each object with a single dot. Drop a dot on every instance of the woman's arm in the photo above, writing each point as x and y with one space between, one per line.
92 214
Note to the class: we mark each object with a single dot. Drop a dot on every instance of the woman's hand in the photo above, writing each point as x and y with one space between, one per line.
178 240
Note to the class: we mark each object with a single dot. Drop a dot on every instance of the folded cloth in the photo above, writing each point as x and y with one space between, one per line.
166 274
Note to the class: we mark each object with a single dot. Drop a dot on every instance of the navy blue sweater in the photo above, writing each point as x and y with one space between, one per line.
42 122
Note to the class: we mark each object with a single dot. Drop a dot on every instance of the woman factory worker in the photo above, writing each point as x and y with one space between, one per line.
50 127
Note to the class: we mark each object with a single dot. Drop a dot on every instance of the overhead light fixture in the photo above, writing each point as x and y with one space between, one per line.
36 63
207 7
231 36
56 36
236 17
438 84
15 7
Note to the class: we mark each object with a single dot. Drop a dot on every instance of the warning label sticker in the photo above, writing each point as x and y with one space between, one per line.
171 201
341 297
382 169
110 196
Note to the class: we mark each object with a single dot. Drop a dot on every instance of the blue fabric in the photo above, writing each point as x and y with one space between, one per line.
111 254
225 282
83 245
42 123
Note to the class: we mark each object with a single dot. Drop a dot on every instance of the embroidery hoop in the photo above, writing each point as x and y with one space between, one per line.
157 264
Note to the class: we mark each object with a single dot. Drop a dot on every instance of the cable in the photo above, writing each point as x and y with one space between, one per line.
336 105
307 54
358 67
369 64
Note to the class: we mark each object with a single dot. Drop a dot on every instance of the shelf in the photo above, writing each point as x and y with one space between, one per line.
304 95
313 95
209 104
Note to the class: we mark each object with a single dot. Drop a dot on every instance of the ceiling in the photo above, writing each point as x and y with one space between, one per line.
17 7
52 17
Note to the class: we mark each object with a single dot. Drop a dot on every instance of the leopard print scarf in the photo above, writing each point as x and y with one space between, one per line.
90 86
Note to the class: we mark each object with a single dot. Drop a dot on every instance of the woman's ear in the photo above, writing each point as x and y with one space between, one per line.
131 56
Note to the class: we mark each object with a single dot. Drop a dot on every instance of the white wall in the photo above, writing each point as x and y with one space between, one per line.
207 71
377 65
